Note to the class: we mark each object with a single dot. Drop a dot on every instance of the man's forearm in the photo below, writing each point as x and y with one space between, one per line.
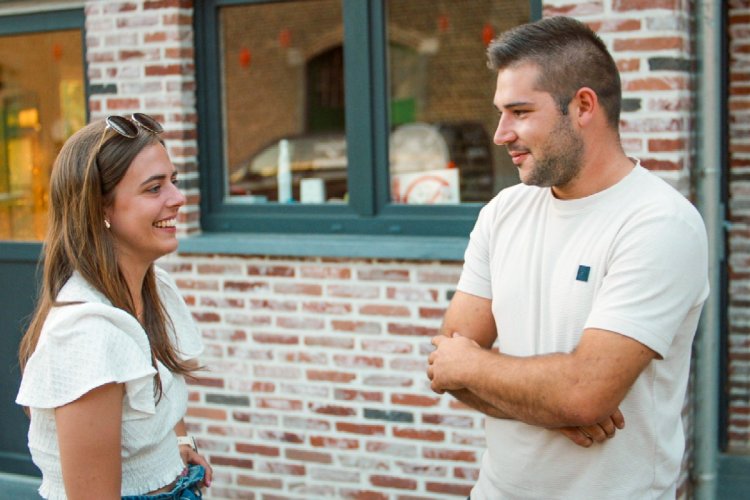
470 399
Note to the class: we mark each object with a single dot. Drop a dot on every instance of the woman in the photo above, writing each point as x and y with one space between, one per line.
111 340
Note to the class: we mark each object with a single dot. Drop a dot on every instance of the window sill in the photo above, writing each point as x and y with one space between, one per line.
307 245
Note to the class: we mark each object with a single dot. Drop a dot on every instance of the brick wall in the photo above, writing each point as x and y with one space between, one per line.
316 382
738 387
140 57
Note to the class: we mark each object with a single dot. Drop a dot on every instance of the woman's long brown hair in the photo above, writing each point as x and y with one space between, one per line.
82 184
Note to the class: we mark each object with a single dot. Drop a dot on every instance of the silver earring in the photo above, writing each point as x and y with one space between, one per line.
107 224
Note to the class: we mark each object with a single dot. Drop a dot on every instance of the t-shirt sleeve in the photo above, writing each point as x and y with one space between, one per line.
658 272
475 276
83 347
186 335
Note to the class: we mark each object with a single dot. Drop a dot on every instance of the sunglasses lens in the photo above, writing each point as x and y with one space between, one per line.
122 126
148 123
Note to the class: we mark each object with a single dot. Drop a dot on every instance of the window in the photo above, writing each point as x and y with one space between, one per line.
325 116
42 103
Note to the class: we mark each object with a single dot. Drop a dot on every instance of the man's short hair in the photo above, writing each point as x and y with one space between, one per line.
569 56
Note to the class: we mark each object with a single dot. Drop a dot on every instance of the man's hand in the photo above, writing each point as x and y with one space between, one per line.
448 362
588 435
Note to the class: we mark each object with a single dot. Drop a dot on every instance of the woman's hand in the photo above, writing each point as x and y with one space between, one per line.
192 457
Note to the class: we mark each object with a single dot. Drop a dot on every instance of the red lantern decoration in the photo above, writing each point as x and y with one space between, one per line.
57 52
443 23
488 34
285 38
245 57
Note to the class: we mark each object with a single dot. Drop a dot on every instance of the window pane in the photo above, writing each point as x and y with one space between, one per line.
441 114
283 94
42 103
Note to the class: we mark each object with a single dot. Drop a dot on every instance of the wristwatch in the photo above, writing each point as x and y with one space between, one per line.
188 440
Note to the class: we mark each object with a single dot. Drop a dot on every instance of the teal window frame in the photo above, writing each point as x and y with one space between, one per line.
369 211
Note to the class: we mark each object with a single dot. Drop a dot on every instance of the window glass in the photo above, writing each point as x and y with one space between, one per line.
441 115
42 103
283 100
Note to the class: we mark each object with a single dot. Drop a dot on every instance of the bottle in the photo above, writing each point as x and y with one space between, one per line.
284 173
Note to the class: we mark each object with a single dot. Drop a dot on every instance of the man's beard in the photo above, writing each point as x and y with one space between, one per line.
560 159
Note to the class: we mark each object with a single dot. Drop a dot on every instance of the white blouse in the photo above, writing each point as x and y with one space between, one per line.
84 346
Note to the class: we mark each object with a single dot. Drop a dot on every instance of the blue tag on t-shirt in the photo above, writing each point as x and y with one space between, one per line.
583 273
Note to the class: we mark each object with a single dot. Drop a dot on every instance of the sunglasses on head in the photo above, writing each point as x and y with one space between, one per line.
128 127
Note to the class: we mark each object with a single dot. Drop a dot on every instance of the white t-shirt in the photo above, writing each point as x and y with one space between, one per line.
87 345
630 259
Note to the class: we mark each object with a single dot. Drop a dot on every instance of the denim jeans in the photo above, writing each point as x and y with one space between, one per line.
187 487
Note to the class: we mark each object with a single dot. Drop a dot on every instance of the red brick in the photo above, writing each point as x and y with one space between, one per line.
639 5
252 449
470 473
356 326
452 455
369 430
354 395
222 302
421 434
254 482
276 271
325 272
431 312
447 488
412 294
386 346
210 413
125 104
357 362
654 164
281 468
362 495
339 308
458 421
273 305
330 376
337 443
334 342
412 330
205 381
353 291
218 269
382 310
308 456
279 404
323 409
300 323
659 145
656 84
231 462
167 4
165 69
383 274
298 289
393 482
649 44
415 400
245 286
272 338
282 437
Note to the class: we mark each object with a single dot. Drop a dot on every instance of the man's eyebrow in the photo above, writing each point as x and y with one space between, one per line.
514 104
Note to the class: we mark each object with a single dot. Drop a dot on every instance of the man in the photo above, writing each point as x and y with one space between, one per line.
588 278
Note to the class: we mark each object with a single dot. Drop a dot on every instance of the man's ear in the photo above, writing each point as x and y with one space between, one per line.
585 105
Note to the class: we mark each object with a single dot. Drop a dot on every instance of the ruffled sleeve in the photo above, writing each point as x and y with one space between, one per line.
186 335
84 346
